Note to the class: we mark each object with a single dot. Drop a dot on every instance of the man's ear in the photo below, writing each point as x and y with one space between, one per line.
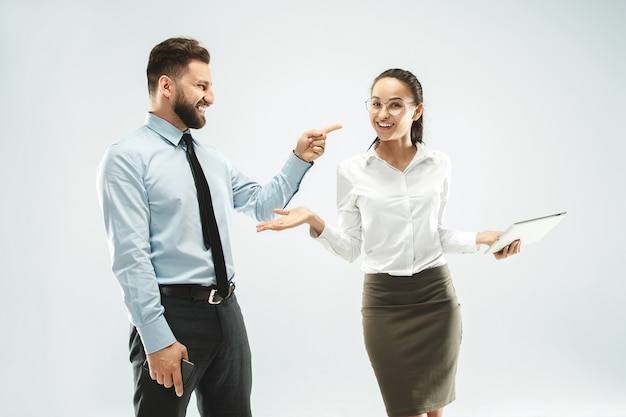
418 111
165 85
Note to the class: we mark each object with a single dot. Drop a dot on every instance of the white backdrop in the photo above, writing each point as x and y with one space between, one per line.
527 98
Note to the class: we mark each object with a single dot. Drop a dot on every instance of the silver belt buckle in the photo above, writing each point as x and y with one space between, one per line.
214 297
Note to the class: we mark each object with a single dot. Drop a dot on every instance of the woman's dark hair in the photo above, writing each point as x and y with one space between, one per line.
171 57
417 128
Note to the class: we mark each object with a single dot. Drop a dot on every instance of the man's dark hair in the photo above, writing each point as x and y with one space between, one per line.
171 57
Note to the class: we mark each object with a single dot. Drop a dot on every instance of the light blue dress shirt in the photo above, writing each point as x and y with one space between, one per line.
152 221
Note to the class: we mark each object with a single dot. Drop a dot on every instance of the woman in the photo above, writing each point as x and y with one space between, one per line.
390 202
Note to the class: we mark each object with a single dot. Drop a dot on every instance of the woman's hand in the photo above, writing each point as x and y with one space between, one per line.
489 237
511 249
293 218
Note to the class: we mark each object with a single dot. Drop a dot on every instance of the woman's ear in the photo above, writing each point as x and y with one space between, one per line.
418 111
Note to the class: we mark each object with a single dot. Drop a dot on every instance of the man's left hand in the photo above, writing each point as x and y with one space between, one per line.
312 144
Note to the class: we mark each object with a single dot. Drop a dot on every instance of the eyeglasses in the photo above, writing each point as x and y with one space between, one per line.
394 107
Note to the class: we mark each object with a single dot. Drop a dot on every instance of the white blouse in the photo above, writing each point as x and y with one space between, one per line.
395 217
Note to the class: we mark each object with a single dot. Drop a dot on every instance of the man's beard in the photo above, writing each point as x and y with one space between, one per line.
188 114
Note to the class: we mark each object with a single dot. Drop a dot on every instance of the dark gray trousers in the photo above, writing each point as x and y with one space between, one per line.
217 343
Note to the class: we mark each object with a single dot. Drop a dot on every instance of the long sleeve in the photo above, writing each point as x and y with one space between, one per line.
257 201
150 206
453 241
345 240
152 222
126 211
394 218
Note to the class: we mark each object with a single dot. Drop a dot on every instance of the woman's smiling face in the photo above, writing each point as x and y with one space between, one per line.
391 94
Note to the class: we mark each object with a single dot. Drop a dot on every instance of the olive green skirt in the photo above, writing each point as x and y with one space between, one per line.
412 330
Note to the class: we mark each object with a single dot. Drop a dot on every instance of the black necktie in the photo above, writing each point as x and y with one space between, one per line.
210 232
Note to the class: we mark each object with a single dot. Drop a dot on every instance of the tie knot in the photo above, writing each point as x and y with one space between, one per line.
187 139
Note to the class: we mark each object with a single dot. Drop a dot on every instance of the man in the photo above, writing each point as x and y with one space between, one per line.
166 252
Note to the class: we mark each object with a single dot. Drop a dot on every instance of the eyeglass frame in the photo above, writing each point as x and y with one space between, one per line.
391 112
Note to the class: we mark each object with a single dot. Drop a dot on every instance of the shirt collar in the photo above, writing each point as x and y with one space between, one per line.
165 129
422 153
370 155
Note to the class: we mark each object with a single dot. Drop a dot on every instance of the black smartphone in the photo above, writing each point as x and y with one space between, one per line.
186 368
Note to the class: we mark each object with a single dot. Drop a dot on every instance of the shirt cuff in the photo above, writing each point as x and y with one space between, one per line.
296 165
467 242
328 235
294 153
156 335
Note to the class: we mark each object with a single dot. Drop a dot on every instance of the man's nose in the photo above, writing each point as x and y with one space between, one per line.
209 97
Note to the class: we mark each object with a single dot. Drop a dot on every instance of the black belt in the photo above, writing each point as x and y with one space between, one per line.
196 292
